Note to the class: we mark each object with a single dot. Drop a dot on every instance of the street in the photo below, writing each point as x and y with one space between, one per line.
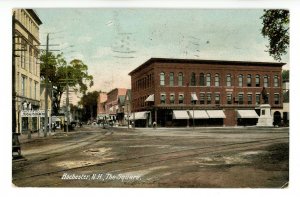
239 157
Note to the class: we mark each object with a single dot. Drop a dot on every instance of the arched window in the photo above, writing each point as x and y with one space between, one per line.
193 79
202 79
217 80
180 79
171 79
208 79
266 81
228 80
240 80
257 80
249 80
276 84
162 78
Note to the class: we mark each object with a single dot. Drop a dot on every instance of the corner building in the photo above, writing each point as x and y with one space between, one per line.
188 92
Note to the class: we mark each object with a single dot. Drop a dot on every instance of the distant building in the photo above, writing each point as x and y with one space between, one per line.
26 69
185 92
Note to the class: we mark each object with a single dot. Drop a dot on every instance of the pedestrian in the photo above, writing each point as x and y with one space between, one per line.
53 126
154 125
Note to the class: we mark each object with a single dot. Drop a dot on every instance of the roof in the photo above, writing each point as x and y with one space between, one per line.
197 61
34 16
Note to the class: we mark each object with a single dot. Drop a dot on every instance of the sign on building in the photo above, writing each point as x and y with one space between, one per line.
32 113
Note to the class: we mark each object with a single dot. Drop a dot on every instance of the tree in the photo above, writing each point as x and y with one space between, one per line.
285 75
276 28
89 103
61 74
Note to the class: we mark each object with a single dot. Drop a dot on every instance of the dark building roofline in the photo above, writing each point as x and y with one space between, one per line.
196 61
34 16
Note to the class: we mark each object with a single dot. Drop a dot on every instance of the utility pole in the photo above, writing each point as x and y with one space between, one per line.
46 89
67 102
14 122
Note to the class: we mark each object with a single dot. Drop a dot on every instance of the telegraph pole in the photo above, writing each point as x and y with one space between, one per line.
14 122
67 102
46 89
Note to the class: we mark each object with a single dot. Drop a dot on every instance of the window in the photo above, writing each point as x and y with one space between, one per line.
35 89
217 80
208 98
172 98
23 85
23 55
217 99
162 78
208 79
229 98
257 80
276 81
162 98
180 98
240 80
180 79
276 99
202 79
30 60
172 79
249 80
257 98
202 98
266 81
193 79
228 80
30 88
241 98
249 96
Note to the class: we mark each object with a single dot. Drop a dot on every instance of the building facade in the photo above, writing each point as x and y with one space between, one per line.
111 105
26 69
183 92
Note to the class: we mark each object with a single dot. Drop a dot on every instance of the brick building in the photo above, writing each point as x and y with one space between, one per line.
181 92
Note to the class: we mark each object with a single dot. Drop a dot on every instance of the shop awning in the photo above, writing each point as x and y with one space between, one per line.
215 113
150 98
139 115
180 114
247 114
55 119
194 97
198 114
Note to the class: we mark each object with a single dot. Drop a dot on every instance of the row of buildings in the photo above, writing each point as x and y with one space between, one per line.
188 92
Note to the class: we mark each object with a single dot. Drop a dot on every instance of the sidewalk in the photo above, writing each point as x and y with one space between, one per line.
24 138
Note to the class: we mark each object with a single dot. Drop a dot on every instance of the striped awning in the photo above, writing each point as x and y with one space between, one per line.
180 114
198 114
215 113
247 114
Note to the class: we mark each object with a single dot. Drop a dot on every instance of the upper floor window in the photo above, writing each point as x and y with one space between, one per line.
217 98
202 79
180 98
171 79
249 80
208 79
257 99
193 79
257 80
217 80
208 98
240 80
162 78
266 81
23 85
249 96
276 98
172 98
162 98
229 98
180 79
241 98
228 80
276 84
202 98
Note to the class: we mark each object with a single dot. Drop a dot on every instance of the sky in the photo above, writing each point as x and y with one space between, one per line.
113 42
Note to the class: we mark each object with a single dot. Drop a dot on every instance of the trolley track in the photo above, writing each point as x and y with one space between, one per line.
164 156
